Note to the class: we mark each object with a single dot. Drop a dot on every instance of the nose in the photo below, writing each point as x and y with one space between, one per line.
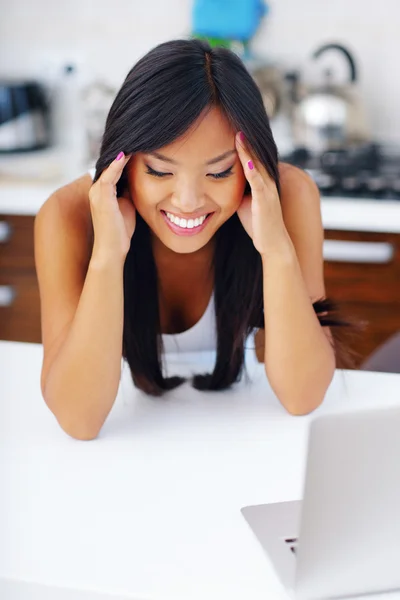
188 198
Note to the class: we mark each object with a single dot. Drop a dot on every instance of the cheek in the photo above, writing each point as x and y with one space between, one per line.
145 193
231 195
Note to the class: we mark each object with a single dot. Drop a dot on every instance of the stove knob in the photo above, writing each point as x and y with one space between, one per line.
376 183
351 183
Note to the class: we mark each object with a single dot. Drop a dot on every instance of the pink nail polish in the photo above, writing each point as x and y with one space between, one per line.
250 165
242 136
120 155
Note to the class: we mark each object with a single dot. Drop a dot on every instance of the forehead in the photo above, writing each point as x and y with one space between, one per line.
209 136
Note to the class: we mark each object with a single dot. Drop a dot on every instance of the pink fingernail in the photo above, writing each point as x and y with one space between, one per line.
242 136
250 165
120 155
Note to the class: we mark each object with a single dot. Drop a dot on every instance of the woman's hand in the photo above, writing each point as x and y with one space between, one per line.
114 219
260 212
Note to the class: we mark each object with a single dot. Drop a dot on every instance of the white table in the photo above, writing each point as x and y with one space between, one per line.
151 507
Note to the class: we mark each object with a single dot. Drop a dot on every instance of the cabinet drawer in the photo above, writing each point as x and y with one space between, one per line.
368 289
16 242
19 307
357 283
365 280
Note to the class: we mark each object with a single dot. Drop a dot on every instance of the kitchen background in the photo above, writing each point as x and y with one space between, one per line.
106 38
81 51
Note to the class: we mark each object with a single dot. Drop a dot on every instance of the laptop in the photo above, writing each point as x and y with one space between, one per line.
16 589
343 538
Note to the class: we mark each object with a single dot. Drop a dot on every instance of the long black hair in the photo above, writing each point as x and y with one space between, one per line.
162 96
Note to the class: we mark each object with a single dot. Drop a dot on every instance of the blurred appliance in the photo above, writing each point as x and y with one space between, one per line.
97 98
368 171
330 115
270 79
24 117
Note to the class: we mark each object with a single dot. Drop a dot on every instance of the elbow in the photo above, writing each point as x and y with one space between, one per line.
78 430
79 427
304 394
83 436
301 409
75 427
299 404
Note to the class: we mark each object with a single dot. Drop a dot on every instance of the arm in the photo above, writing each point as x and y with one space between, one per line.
82 314
298 354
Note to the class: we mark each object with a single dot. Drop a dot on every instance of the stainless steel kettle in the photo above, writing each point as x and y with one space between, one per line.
331 115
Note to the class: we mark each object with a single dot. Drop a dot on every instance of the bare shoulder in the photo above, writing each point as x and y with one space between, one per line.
72 199
300 200
297 184
67 211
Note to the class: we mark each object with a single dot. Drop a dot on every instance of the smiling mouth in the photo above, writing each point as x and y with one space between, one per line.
186 227
186 223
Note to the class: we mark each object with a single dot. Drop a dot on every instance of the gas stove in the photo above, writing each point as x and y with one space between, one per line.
370 171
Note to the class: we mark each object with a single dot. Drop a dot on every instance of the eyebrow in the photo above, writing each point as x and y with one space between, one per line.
212 161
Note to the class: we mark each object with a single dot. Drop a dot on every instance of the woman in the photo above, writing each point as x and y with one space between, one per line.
190 216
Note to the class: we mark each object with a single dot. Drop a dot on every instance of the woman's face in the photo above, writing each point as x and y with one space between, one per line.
186 190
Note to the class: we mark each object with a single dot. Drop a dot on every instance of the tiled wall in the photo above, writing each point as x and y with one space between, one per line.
106 37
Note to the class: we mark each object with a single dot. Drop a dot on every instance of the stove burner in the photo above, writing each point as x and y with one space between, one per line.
367 171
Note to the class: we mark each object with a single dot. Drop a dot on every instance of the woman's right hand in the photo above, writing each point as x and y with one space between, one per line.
114 219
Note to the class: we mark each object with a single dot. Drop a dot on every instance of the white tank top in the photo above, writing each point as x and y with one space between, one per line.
202 336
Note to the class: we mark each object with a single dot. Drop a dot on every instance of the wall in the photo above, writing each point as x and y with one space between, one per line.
371 30
106 38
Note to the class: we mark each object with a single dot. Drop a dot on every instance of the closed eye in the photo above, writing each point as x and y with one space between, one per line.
151 171
222 174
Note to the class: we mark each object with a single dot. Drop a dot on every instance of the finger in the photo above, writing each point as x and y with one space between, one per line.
244 150
113 172
250 169
245 154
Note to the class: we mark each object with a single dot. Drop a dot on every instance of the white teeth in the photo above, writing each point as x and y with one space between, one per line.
186 223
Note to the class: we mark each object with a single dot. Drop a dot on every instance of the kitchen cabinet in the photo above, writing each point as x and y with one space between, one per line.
367 287
19 293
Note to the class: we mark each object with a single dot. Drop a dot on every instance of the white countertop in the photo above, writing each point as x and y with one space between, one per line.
337 213
152 507
349 214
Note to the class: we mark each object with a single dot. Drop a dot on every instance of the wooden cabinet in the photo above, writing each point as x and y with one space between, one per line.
19 293
369 291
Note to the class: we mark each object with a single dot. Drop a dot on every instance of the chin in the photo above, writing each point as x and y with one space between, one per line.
185 245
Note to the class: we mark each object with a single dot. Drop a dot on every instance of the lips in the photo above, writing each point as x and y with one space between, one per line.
188 227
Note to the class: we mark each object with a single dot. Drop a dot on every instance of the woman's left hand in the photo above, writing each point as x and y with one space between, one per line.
260 213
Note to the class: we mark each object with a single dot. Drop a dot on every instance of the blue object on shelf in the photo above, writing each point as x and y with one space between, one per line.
232 19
